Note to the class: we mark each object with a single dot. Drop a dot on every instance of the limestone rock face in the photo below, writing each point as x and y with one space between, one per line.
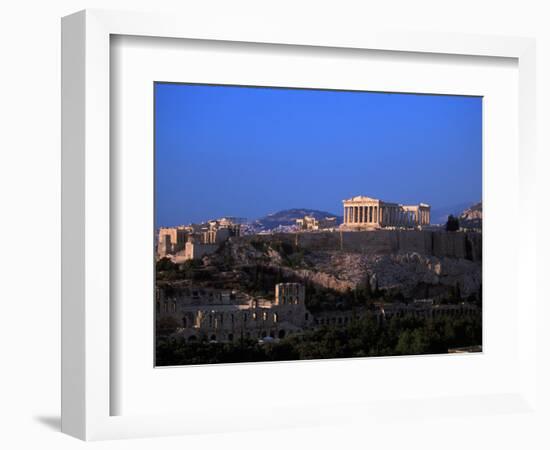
474 212
472 218
412 274
414 264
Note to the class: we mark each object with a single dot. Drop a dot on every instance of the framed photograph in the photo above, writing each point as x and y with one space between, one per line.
246 273
298 218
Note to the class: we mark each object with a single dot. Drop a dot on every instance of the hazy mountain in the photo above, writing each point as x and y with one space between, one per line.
288 217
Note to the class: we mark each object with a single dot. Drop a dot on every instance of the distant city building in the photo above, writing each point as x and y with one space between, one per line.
369 213
310 223
172 240
183 243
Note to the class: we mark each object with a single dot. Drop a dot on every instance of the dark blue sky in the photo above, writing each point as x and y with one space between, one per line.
247 152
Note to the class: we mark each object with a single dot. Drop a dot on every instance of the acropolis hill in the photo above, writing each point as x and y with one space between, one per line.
387 245
229 283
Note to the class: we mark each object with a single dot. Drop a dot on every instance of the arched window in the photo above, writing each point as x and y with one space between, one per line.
275 317
281 334
158 307
184 322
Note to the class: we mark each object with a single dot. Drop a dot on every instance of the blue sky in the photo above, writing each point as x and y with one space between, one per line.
247 151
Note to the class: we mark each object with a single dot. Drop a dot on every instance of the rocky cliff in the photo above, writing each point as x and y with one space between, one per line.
415 264
472 217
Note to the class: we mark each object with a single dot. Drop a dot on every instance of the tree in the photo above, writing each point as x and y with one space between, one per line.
166 264
167 325
452 223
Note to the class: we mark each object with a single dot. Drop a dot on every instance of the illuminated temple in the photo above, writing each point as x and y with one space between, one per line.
369 213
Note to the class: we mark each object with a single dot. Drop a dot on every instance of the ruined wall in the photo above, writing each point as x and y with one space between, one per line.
432 243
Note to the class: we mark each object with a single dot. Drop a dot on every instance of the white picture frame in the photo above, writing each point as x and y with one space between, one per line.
87 385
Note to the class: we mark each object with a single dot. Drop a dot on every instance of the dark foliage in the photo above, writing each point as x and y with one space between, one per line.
164 264
362 337
452 224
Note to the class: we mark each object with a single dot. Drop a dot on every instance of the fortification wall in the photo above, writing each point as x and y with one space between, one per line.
467 245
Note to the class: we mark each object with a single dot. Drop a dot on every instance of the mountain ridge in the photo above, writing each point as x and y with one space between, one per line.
287 217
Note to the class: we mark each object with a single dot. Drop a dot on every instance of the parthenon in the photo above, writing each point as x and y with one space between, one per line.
369 213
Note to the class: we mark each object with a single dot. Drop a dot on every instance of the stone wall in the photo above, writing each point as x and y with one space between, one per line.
464 245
